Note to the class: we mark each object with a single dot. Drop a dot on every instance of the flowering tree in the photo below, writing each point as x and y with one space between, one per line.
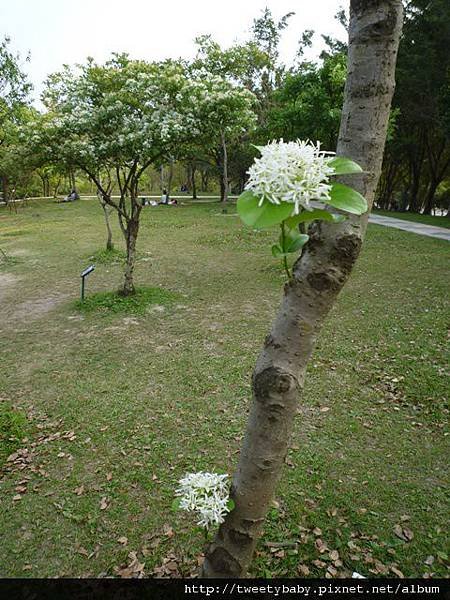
318 274
225 113
118 118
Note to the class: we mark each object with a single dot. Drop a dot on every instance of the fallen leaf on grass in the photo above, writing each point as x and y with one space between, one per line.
403 533
17 497
429 560
303 569
134 569
104 503
168 531
79 490
397 572
334 555
123 540
108 476
319 563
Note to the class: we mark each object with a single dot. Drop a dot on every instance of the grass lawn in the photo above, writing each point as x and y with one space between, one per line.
416 218
105 410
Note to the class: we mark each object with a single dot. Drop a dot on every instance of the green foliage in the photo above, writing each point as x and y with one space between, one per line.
137 303
344 166
13 427
260 217
347 199
317 214
308 101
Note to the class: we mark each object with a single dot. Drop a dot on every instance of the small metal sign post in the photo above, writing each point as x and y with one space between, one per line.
83 276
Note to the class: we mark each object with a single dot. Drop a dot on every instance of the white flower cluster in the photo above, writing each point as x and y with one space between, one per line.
295 172
207 494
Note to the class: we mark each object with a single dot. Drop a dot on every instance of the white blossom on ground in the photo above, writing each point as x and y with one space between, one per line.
295 172
206 494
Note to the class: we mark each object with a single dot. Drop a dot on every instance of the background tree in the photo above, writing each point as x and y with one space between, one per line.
418 156
225 113
14 90
119 118
318 276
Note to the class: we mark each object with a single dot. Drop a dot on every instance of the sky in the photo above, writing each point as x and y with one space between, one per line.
57 32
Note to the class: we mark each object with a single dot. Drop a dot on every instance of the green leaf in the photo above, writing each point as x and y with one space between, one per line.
347 199
291 244
176 504
313 215
263 216
292 240
231 504
277 252
298 243
344 166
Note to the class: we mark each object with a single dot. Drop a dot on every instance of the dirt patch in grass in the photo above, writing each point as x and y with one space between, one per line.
6 281
38 307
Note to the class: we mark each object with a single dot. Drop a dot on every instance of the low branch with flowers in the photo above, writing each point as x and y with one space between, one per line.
284 182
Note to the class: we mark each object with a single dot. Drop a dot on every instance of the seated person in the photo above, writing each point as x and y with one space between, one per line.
164 197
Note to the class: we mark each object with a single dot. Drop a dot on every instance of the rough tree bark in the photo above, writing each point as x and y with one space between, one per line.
318 276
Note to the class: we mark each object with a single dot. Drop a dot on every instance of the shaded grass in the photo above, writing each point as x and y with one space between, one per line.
167 392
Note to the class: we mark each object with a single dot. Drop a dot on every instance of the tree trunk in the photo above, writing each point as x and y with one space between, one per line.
72 179
109 242
194 185
170 178
318 276
224 170
130 238
56 190
5 197
205 178
429 199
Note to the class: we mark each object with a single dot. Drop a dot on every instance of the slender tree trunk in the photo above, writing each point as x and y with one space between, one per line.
429 198
56 190
194 185
109 242
224 169
130 239
170 178
205 177
318 276
5 196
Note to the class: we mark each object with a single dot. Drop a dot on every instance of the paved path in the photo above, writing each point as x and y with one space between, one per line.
412 226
